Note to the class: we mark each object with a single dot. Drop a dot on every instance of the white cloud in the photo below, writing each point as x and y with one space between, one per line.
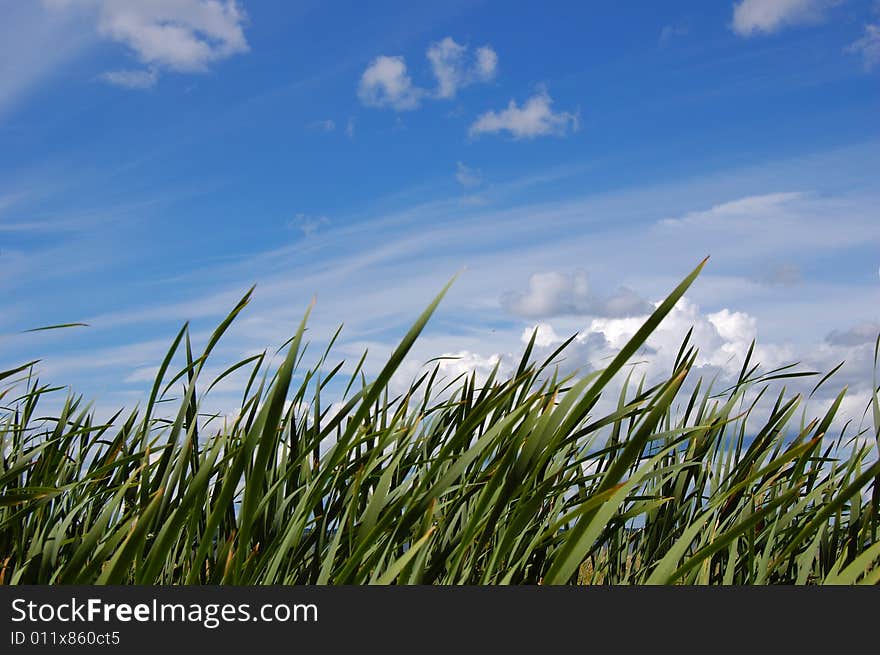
535 118
131 79
386 83
449 61
487 63
468 177
450 365
768 16
723 337
349 128
544 333
868 46
559 294
734 327
465 362
176 35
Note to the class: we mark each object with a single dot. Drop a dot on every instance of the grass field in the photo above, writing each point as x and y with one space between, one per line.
510 481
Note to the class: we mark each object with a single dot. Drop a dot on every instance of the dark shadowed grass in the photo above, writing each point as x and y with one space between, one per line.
510 481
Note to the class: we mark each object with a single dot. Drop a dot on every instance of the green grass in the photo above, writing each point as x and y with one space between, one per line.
519 480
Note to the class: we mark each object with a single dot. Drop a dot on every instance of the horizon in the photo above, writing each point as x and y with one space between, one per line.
159 158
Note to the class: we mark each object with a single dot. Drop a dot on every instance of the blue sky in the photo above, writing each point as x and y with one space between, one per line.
159 157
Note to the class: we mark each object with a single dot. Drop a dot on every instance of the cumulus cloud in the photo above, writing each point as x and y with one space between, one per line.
465 362
868 46
752 17
131 79
178 35
386 83
722 339
487 63
533 119
454 69
468 177
559 294
545 335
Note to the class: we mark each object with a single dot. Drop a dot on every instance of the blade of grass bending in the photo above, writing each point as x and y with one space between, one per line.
395 569
87 547
875 399
59 326
727 537
197 486
13 371
117 568
27 494
265 431
581 538
667 565
825 378
163 367
861 565
829 508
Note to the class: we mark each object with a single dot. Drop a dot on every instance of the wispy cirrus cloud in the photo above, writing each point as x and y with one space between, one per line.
750 210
